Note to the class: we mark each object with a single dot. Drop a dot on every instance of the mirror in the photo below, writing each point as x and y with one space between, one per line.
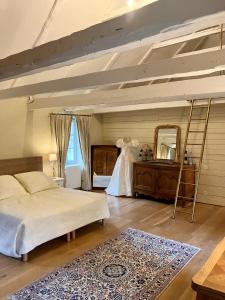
167 143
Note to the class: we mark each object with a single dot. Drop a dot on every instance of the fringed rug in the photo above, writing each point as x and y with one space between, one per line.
134 265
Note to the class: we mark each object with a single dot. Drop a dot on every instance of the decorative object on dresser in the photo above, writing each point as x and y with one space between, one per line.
103 159
209 282
159 180
145 153
59 181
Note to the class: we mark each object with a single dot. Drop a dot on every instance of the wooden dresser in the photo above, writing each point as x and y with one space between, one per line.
159 180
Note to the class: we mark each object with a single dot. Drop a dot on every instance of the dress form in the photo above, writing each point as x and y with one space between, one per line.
121 180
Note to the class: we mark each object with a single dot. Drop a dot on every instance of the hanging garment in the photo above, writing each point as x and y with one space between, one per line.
121 180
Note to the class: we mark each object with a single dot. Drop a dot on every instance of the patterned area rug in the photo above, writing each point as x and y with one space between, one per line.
134 265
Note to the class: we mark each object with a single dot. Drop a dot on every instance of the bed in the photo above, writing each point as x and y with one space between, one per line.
24 217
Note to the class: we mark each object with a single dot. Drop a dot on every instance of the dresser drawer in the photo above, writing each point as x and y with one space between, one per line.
144 179
166 182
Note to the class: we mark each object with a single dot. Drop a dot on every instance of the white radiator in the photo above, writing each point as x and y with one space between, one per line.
73 176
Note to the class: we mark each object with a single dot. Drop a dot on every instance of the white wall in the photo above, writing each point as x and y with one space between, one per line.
27 133
24 133
96 130
141 125
15 131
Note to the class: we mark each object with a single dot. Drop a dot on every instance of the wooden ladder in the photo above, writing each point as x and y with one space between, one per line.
197 169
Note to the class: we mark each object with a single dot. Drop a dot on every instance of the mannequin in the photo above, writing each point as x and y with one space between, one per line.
121 180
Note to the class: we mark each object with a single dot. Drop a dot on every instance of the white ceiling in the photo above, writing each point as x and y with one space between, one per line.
35 22
25 24
21 21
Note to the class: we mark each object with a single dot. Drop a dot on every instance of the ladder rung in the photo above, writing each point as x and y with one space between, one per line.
195 157
187 183
201 131
184 212
194 144
200 106
198 119
182 197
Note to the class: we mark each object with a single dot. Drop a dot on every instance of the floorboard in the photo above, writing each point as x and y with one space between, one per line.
151 216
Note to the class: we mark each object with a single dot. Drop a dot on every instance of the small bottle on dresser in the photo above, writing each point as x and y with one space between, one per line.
186 158
189 156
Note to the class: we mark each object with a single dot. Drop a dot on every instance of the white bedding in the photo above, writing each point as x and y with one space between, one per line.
101 181
30 220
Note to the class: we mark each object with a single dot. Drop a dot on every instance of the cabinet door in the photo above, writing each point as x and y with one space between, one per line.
166 183
111 157
99 161
144 178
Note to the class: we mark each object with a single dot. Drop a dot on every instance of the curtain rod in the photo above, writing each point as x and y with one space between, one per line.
65 114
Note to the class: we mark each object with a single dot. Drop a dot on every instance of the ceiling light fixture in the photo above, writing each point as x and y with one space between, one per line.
130 2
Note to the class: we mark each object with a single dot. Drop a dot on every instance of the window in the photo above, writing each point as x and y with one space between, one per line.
73 154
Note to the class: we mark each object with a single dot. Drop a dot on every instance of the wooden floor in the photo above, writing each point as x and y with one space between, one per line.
150 216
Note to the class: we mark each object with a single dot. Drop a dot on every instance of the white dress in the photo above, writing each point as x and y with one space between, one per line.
121 180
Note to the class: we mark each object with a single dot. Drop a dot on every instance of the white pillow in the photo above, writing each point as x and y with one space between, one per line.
9 187
35 182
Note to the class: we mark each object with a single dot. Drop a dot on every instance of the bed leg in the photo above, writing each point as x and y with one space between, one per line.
102 222
68 238
73 235
24 257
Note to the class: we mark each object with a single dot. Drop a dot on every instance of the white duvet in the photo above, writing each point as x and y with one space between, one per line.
30 220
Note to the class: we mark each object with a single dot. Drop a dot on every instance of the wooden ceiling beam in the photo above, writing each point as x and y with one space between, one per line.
210 87
153 23
188 66
140 62
189 37
198 52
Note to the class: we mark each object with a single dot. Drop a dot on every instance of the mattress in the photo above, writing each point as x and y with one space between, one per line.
101 181
31 220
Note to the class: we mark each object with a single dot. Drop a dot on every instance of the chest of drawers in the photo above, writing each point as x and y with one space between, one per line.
159 180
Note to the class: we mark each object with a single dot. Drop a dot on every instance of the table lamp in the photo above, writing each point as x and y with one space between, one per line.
52 159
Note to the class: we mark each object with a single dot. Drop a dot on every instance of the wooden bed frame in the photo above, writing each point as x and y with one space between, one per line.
20 165
27 164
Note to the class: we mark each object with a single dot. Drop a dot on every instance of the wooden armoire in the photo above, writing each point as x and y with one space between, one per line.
103 159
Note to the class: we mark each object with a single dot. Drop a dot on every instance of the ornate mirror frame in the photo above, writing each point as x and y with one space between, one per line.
178 139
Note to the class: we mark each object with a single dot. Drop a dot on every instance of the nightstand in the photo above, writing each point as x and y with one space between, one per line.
58 180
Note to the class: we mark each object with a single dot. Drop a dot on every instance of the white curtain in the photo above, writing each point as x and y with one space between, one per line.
61 128
83 128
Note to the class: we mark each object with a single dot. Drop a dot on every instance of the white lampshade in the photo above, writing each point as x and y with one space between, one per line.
52 157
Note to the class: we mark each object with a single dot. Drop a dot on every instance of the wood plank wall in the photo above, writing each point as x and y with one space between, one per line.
141 125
